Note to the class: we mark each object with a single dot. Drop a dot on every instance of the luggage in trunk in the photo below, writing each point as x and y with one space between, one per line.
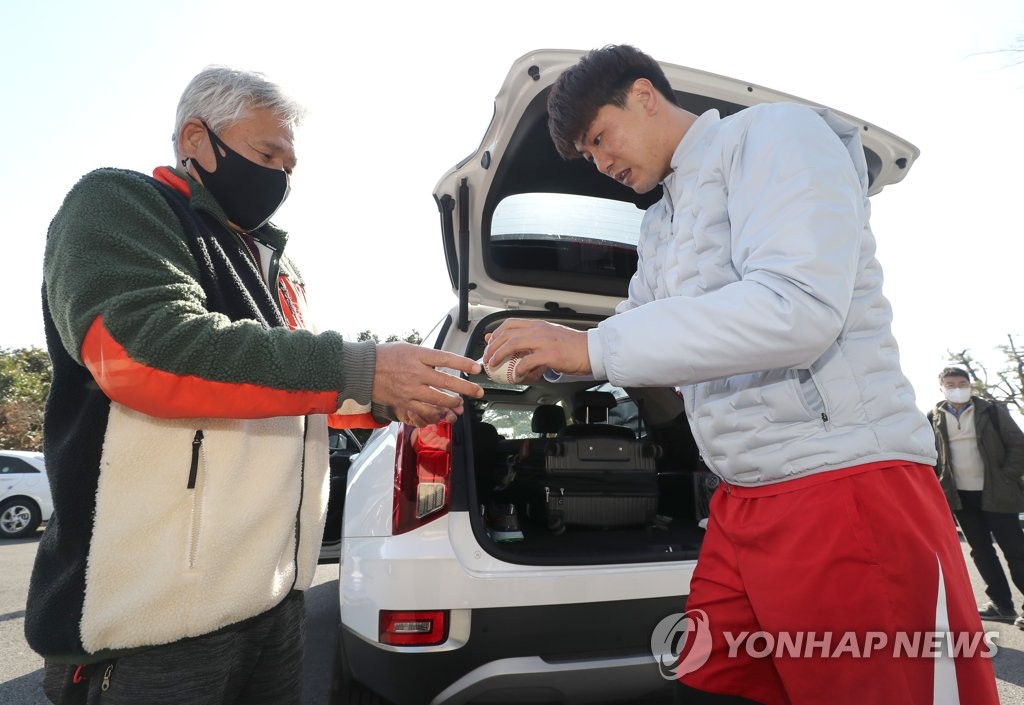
595 481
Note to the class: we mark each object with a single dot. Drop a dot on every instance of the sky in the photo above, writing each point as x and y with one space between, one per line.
398 93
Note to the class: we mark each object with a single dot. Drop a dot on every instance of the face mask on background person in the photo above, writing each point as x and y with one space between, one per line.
248 192
957 395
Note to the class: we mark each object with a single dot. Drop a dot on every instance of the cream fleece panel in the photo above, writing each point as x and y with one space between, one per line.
168 562
351 406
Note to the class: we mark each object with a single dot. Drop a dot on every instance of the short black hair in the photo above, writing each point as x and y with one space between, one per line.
954 372
602 77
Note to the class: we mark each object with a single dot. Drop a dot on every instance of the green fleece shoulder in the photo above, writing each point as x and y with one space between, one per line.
114 246
117 250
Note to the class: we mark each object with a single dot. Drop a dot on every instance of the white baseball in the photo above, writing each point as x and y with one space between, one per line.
505 371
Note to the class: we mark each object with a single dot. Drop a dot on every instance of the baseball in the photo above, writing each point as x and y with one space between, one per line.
505 371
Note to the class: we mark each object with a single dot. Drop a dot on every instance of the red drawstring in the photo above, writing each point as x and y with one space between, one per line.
79 675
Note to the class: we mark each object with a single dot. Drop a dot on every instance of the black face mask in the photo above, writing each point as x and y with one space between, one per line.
248 192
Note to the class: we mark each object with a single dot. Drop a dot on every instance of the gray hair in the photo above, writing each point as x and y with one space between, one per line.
221 96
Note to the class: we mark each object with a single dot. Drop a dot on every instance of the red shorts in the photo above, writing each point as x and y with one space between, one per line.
841 581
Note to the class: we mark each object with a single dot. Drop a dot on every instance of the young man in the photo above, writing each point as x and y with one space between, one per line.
981 464
186 428
758 295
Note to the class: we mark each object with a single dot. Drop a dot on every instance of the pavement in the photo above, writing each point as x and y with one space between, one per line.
21 668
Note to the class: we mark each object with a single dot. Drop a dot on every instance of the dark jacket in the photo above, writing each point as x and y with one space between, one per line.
1001 444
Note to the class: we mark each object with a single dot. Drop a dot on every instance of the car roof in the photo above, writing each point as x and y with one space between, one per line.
516 157
33 458
23 453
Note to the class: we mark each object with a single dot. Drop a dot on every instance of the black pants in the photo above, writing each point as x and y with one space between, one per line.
979 528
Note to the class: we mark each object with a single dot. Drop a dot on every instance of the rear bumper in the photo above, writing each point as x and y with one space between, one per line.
572 653
614 679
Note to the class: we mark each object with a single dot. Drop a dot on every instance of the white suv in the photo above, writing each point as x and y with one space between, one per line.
25 500
527 552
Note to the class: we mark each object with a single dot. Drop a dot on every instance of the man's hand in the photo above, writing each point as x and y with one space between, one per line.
547 346
405 380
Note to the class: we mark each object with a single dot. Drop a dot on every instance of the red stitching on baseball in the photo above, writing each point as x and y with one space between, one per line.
510 370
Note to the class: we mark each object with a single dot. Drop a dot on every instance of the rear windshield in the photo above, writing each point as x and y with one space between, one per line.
515 420
564 241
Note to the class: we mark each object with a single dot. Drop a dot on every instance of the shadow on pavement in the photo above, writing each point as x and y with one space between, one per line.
28 539
24 690
1009 665
12 615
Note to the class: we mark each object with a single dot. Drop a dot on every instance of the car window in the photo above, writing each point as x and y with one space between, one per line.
510 422
564 241
430 339
565 216
15 466
625 412
352 439
516 421
336 440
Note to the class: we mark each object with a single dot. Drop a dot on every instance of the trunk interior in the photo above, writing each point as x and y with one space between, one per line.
583 472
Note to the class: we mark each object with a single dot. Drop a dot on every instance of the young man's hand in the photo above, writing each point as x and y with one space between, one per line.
541 345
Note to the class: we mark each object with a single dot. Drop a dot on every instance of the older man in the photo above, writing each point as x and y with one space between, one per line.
185 432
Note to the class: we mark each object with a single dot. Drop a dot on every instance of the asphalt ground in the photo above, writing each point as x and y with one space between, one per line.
21 669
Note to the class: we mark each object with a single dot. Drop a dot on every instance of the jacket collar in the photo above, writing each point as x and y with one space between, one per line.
690 151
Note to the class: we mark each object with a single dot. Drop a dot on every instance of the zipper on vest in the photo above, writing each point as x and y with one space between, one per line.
196 515
302 497
824 415
285 300
193 470
107 673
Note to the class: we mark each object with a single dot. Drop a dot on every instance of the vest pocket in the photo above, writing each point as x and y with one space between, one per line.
194 486
813 397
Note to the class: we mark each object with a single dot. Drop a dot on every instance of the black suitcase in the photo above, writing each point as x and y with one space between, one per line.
597 481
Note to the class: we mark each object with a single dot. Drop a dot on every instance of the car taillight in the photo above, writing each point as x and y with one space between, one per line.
422 475
413 628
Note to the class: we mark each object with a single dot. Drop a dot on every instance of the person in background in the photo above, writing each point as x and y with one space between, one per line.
980 468
758 294
186 427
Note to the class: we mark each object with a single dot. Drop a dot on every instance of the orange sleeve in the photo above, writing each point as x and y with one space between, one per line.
169 395
354 421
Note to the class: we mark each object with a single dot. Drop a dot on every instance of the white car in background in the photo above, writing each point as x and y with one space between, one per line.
24 493
529 551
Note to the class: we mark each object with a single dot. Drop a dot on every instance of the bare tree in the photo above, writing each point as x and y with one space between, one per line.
1004 386
414 337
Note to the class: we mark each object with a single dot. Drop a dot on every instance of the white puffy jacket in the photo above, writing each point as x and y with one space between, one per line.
759 295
